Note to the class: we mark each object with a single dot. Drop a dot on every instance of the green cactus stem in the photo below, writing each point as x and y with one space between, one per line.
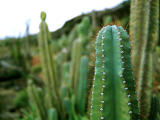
113 92
74 71
144 35
52 114
82 85
48 66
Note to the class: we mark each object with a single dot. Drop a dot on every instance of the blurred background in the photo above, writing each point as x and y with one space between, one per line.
68 20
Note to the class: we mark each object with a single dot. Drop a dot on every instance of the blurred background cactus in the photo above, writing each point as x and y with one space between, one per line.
59 75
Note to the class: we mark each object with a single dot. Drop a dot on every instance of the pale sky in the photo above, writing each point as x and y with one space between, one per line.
15 13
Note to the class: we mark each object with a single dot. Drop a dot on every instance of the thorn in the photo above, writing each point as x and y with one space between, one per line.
102 55
102 101
124 81
102 118
129 95
121 75
102 44
129 103
104 73
122 52
120 39
126 88
121 45
130 112
103 86
102 93
101 109
102 50
103 66
103 79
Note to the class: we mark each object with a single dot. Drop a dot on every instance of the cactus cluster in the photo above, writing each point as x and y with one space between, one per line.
113 92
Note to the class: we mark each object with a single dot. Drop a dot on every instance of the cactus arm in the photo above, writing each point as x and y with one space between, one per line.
82 85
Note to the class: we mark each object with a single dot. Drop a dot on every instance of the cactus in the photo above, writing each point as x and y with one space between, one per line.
82 85
37 98
108 20
144 35
83 30
74 71
52 114
113 92
48 67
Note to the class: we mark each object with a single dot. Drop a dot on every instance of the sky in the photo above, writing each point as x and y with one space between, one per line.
16 13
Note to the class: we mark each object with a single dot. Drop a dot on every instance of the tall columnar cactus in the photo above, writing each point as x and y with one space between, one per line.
82 85
144 35
48 66
113 92
74 71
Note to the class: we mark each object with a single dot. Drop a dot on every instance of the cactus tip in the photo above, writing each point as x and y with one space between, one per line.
43 16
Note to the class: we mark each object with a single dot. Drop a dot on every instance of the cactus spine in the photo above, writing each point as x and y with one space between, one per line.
144 34
113 88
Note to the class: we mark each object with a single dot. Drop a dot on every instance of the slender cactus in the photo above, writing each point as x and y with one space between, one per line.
82 85
52 114
37 98
74 71
48 66
113 94
144 35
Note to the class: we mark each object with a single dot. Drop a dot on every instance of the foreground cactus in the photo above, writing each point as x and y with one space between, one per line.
113 94
144 35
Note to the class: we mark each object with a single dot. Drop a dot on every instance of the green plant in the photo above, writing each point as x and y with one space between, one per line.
35 94
144 25
82 85
74 69
49 68
52 114
113 92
